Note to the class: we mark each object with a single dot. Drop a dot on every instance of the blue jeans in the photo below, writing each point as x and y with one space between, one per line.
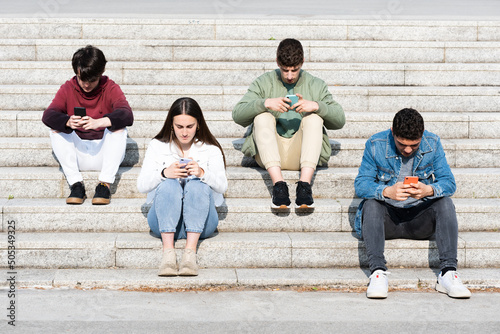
183 209
383 222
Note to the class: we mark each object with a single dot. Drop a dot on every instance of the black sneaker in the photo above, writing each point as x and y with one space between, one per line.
102 195
77 195
281 198
304 199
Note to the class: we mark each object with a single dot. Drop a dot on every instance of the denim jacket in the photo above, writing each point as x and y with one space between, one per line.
381 166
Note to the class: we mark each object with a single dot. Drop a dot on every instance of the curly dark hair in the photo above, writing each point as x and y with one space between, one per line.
90 61
408 124
290 53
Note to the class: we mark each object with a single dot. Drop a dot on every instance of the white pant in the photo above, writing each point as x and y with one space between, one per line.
76 154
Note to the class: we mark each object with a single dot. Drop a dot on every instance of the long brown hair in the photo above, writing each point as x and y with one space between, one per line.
187 106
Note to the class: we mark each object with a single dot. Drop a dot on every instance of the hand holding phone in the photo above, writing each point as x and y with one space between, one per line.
410 179
183 162
294 99
80 111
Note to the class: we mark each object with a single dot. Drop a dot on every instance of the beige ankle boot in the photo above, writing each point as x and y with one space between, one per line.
188 266
168 265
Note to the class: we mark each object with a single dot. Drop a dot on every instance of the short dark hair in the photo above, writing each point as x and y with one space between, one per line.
90 61
408 124
290 53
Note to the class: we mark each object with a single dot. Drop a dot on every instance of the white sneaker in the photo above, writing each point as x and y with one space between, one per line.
379 284
452 285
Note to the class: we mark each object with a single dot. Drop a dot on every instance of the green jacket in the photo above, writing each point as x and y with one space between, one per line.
269 85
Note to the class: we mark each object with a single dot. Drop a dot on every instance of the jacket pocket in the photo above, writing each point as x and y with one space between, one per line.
425 174
384 175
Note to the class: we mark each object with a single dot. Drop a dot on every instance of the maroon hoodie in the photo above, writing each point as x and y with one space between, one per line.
106 100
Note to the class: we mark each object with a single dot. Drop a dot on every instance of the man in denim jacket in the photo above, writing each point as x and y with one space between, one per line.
392 209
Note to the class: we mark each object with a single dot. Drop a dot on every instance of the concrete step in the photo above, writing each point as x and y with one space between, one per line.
461 153
412 279
250 29
333 50
224 98
49 182
363 124
236 215
243 73
240 250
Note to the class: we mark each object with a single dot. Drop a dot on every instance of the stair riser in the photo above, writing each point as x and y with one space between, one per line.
40 157
240 75
467 127
324 186
254 257
71 221
217 100
208 29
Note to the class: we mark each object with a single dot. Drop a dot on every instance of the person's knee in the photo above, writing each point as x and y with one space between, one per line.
196 188
264 119
168 186
371 206
373 212
312 120
445 204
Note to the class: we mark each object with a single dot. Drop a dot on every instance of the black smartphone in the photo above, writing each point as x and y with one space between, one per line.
80 111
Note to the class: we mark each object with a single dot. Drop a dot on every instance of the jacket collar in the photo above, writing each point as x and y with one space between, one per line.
195 148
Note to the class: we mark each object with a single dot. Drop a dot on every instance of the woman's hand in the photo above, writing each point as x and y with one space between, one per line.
194 169
175 171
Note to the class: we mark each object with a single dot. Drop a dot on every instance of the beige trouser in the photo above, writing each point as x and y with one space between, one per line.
302 150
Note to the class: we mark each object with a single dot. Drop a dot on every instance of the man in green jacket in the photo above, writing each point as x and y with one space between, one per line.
286 135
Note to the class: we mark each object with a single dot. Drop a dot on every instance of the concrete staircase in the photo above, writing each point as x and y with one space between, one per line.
447 70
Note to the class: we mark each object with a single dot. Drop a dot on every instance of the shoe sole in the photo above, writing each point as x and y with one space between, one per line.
376 296
188 272
100 201
441 289
75 200
168 273
304 206
281 207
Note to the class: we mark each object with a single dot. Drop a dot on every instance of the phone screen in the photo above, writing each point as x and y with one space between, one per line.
80 111
184 162
294 99
410 179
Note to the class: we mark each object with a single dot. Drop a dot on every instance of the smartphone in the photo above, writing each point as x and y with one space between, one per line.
294 99
80 111
184 162
411 179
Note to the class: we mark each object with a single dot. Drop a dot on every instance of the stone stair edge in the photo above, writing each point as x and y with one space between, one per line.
344 278
233 144
211 115
237 21
293 240
257 65
240 90
134 205
308 43
232 171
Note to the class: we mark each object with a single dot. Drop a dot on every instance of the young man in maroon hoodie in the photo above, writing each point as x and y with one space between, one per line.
97 140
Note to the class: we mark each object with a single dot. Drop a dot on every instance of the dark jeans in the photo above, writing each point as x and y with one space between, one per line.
383 222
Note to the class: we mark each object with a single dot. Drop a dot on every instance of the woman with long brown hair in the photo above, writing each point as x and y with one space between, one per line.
184 175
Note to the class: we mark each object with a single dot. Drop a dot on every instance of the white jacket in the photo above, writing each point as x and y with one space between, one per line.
161 155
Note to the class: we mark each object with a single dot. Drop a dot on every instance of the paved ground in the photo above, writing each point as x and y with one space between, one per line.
75 311
373 9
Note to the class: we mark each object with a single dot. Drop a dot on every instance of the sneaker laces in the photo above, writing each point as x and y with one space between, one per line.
302 189
281 189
